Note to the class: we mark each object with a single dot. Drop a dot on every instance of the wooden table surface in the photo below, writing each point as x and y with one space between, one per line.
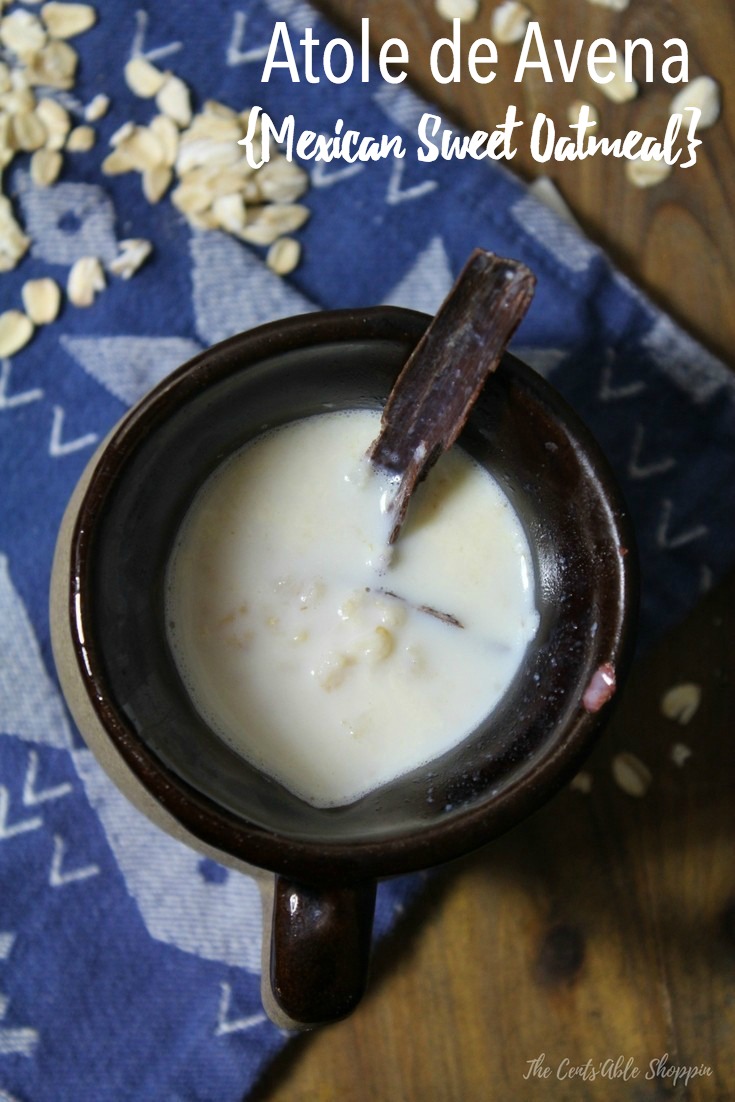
603 927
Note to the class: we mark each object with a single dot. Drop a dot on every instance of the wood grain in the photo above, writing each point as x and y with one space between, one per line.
677 240
603 927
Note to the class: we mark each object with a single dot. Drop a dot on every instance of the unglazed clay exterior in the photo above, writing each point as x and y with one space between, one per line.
124 691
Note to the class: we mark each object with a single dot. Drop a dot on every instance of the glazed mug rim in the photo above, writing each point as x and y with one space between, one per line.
321 860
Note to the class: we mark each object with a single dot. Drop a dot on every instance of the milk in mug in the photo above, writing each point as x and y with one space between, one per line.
327 659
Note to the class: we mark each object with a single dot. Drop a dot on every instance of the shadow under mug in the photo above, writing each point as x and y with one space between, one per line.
124 690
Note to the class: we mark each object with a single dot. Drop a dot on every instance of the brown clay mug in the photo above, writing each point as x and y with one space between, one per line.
123 688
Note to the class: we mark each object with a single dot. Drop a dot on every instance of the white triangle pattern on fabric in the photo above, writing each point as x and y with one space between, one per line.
138 47
544 361
296 13
129 366
68 221
236 55
403 107
685 363
427 282
233 290
218 919
30 706
554 234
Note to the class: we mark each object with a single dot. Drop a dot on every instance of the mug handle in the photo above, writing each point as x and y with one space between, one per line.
319 950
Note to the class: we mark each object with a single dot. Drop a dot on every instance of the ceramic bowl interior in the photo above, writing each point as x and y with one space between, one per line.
560 486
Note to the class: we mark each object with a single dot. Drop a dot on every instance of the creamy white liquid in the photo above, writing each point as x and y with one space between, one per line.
283 624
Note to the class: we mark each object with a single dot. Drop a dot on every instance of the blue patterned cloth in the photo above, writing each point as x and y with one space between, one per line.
129 967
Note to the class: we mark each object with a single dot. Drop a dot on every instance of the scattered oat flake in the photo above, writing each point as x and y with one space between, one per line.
509 21
173 100
680 754
55 65
117 163
214 107
13 242
19 101
619 89
143 78
81 139
198 156
631 774
23 33
20 98
614 5
56 120
283 255
702 93
281 181
582 782
41 299
206 153
274 220
97 107
220 128
156 182
574 112
16 329
122 133
680 703
167 133
191 198
643 174
203 220
142 149
464 10
229 211
133 253
45 167
86 278
27 131
67 20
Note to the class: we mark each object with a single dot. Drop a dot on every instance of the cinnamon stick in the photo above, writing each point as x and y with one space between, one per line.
445 617
432 397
